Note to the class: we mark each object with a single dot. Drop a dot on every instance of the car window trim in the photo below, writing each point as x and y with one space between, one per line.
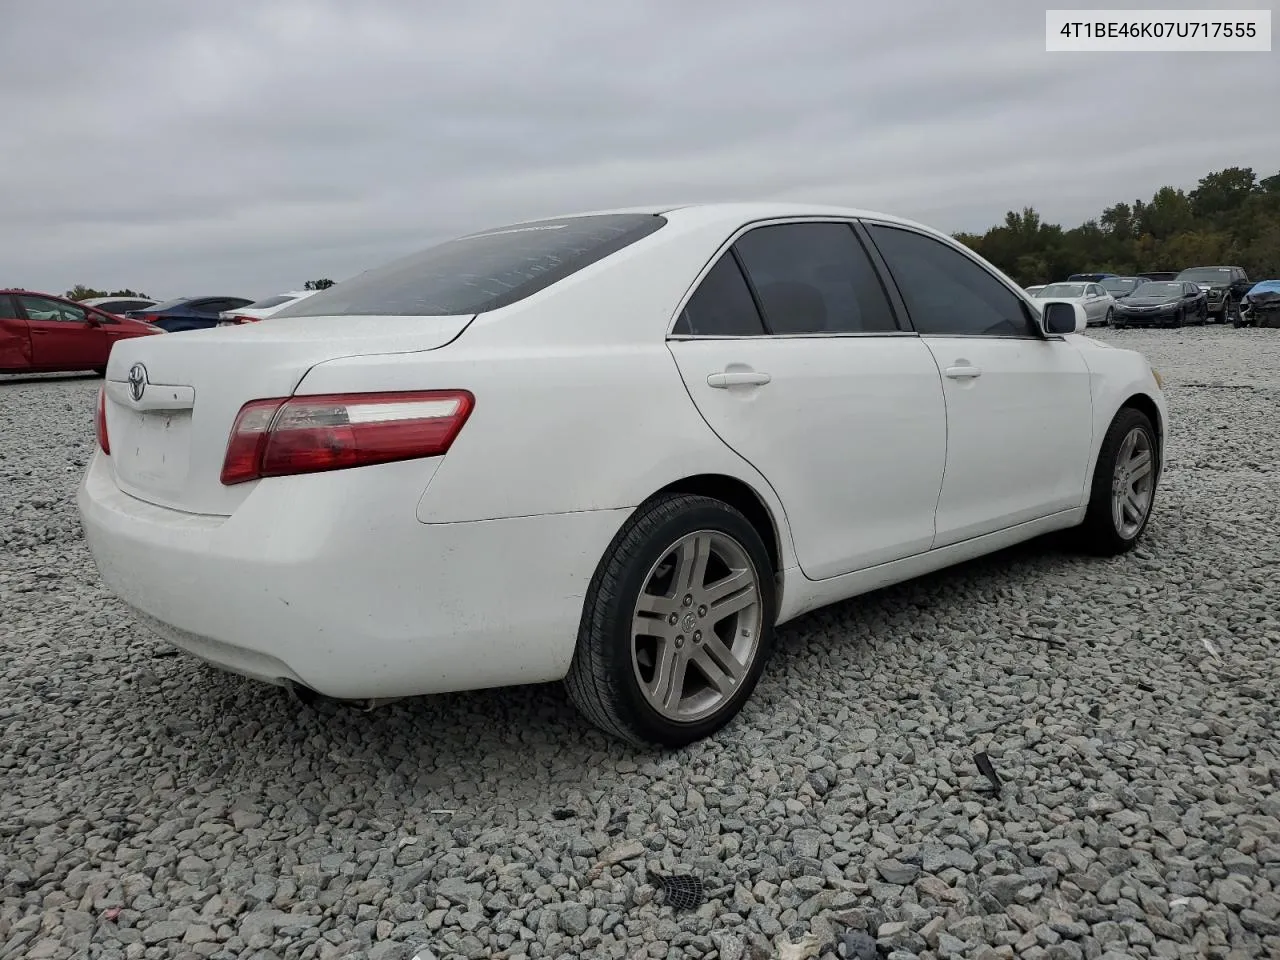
1024 300
896 308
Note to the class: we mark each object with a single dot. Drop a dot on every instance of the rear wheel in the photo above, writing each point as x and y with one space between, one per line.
1124 485
677 623
100 371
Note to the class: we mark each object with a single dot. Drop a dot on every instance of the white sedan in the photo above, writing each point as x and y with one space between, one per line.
616 449
1099 306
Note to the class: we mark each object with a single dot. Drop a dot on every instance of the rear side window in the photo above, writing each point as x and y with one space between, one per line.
7 310
481 272
814 278
722 305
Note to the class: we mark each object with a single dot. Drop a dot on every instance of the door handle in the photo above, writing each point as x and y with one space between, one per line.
964 371
748 378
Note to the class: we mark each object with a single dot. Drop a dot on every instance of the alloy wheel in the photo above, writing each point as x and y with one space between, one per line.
696 626
1133 483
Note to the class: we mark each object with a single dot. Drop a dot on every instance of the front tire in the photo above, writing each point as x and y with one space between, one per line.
1124 486
677 625
1106 321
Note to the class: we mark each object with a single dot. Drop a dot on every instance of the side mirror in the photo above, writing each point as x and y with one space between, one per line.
1062 318
91 320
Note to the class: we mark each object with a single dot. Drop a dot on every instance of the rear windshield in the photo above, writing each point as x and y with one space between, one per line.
480 272
1061 290
270 302
167 305
1120 285
1206 274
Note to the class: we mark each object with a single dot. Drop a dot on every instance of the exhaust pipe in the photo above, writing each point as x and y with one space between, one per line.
310 698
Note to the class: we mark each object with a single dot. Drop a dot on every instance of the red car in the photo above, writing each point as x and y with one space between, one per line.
40 333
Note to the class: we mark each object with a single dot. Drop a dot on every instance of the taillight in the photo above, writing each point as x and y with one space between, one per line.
285 436
100 420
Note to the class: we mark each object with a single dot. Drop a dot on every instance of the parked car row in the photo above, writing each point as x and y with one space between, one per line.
40 333
1161 298
43 333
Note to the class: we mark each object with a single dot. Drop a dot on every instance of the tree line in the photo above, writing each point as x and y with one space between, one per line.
1230 218
82 292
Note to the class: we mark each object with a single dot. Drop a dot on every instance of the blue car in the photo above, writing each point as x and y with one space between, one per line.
188 313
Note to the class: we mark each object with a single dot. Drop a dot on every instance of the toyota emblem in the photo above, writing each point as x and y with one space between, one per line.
137 381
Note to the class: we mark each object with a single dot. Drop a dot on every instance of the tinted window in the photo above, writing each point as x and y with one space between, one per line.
38 308
814 278
946 292
480 272
722 305
7 310
1206 274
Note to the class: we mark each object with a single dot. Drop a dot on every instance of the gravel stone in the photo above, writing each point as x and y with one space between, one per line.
153 807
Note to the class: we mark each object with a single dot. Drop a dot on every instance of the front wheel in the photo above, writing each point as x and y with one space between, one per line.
1124 485
1106 321
677 624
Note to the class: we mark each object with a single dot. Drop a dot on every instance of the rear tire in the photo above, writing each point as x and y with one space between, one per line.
1122 495
99 371
655 620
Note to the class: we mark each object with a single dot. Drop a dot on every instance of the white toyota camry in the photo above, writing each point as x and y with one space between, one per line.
616 449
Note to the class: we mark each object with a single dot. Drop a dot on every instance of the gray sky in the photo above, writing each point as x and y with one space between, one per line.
244 147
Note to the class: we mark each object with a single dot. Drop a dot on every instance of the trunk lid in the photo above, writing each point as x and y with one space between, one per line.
167 445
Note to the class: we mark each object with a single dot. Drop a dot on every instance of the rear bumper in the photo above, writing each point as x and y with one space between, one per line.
360 602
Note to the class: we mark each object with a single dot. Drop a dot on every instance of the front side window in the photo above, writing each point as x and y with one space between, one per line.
947 293
481 272
39 308
721 306
814 278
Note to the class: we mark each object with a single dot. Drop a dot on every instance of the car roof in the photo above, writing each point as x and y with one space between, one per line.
712 214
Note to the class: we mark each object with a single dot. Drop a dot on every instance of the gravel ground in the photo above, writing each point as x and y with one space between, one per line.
152 807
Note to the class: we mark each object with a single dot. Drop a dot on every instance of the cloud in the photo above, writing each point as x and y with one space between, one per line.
246 147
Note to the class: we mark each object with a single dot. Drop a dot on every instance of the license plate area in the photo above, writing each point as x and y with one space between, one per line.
153 451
